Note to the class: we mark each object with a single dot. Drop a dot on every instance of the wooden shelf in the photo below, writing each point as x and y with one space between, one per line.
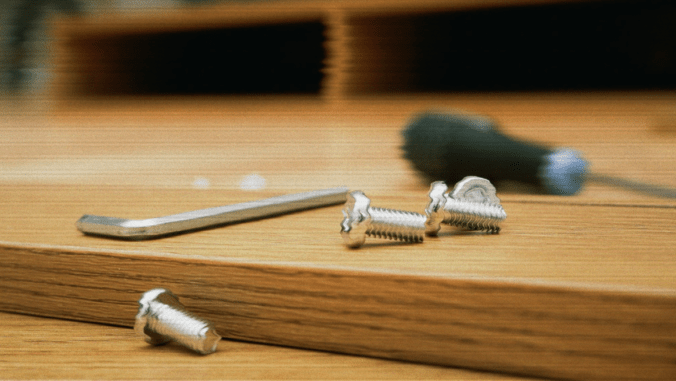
339 50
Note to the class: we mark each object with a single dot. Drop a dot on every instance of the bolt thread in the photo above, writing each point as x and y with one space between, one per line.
396 224
183 327
474 215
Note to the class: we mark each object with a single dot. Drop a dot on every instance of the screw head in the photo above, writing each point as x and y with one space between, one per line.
435 208
145 309
357 219
475 189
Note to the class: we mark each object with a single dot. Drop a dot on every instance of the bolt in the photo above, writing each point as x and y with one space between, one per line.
162 318
362 220
473 204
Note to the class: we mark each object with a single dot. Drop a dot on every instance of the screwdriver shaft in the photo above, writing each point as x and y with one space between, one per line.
637 186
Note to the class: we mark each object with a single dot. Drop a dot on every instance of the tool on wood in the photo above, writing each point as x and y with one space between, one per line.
447 146
162 318
472 204
203 218
362 220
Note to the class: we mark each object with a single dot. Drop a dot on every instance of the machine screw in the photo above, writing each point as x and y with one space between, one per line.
162 318
473 204
362 220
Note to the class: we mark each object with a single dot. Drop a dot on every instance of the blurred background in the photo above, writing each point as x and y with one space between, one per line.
25 34
519 46
544 70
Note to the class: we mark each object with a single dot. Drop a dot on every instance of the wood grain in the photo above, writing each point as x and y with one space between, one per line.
169 142
563 295
580 287
562 241
575 288
515 327
39 348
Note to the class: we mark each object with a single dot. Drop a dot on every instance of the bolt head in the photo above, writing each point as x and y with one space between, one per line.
357 219
435 208
475 189
145 310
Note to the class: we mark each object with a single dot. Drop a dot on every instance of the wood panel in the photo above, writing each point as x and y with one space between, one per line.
39 348
574 287
573 291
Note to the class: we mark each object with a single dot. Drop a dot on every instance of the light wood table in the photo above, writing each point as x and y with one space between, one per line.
573 287
41 348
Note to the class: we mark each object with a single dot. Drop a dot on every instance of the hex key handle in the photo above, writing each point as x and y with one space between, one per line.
203 218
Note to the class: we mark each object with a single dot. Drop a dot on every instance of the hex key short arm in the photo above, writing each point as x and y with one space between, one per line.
203 218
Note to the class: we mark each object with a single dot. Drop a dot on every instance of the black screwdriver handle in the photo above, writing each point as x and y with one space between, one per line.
450 146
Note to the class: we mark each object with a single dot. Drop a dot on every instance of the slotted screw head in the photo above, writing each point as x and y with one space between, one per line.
475 189
435 208
473 204
141 326
362 220
162 318
357 219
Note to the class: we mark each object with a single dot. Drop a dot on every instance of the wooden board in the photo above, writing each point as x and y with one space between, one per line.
39 348
579 287
518 302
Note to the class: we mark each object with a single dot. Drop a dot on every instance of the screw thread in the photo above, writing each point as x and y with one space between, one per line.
179 325
474 215
396 224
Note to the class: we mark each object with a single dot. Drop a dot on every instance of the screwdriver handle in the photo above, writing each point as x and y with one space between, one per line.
450 146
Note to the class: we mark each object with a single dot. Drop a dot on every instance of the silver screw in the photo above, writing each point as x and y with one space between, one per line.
362 220
162 318
473 204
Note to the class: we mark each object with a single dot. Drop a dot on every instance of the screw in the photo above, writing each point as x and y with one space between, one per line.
362 220
162 318
473 204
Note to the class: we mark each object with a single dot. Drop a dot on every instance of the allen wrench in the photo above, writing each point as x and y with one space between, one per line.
205 218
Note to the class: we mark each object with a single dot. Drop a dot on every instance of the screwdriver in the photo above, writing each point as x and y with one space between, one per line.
450 146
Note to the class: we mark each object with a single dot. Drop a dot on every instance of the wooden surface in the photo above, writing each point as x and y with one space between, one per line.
574 287
39 348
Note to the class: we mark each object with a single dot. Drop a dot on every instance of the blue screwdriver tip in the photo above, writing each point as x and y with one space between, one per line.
563 172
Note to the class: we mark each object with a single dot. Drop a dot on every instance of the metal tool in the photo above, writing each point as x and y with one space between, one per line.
203 218
362 220
162 318
447 146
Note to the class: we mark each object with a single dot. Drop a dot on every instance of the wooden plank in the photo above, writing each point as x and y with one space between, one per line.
554 241
566 291
580 287
505 326
56 349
